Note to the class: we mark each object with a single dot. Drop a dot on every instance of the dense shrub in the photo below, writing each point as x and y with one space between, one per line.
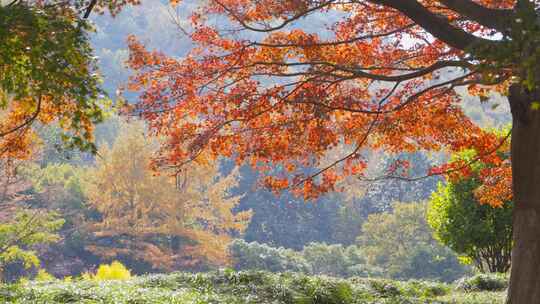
428 262
384 288
44 276
255 256
483 282
328 259
424 289
114 271
337 260
315 258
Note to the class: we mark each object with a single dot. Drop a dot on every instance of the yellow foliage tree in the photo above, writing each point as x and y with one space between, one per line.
152 217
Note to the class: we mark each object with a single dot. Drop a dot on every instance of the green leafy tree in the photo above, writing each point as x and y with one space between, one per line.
59 187
47 74
479 232
22 225
401 242
20 234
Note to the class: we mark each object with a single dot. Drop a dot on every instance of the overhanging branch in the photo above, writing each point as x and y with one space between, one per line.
435 25
492 18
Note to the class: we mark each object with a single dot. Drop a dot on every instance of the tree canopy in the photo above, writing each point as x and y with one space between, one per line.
378 75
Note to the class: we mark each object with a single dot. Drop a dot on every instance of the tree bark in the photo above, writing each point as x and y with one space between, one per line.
525 271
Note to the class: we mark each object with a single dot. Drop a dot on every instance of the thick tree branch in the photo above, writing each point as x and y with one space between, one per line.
498 19
359 73
435 25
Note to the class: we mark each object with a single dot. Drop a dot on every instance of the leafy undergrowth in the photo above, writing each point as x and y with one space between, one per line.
244 287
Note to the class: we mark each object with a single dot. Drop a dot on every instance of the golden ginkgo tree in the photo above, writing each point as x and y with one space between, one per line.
166 220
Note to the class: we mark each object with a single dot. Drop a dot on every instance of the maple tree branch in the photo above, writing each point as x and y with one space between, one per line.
286 22
200 147
359 145
26 122
422 72
335 43
358 73
337 162
451 83
498 19
459 81
472 161
435 25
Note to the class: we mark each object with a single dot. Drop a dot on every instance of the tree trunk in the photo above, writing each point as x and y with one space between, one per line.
525 271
